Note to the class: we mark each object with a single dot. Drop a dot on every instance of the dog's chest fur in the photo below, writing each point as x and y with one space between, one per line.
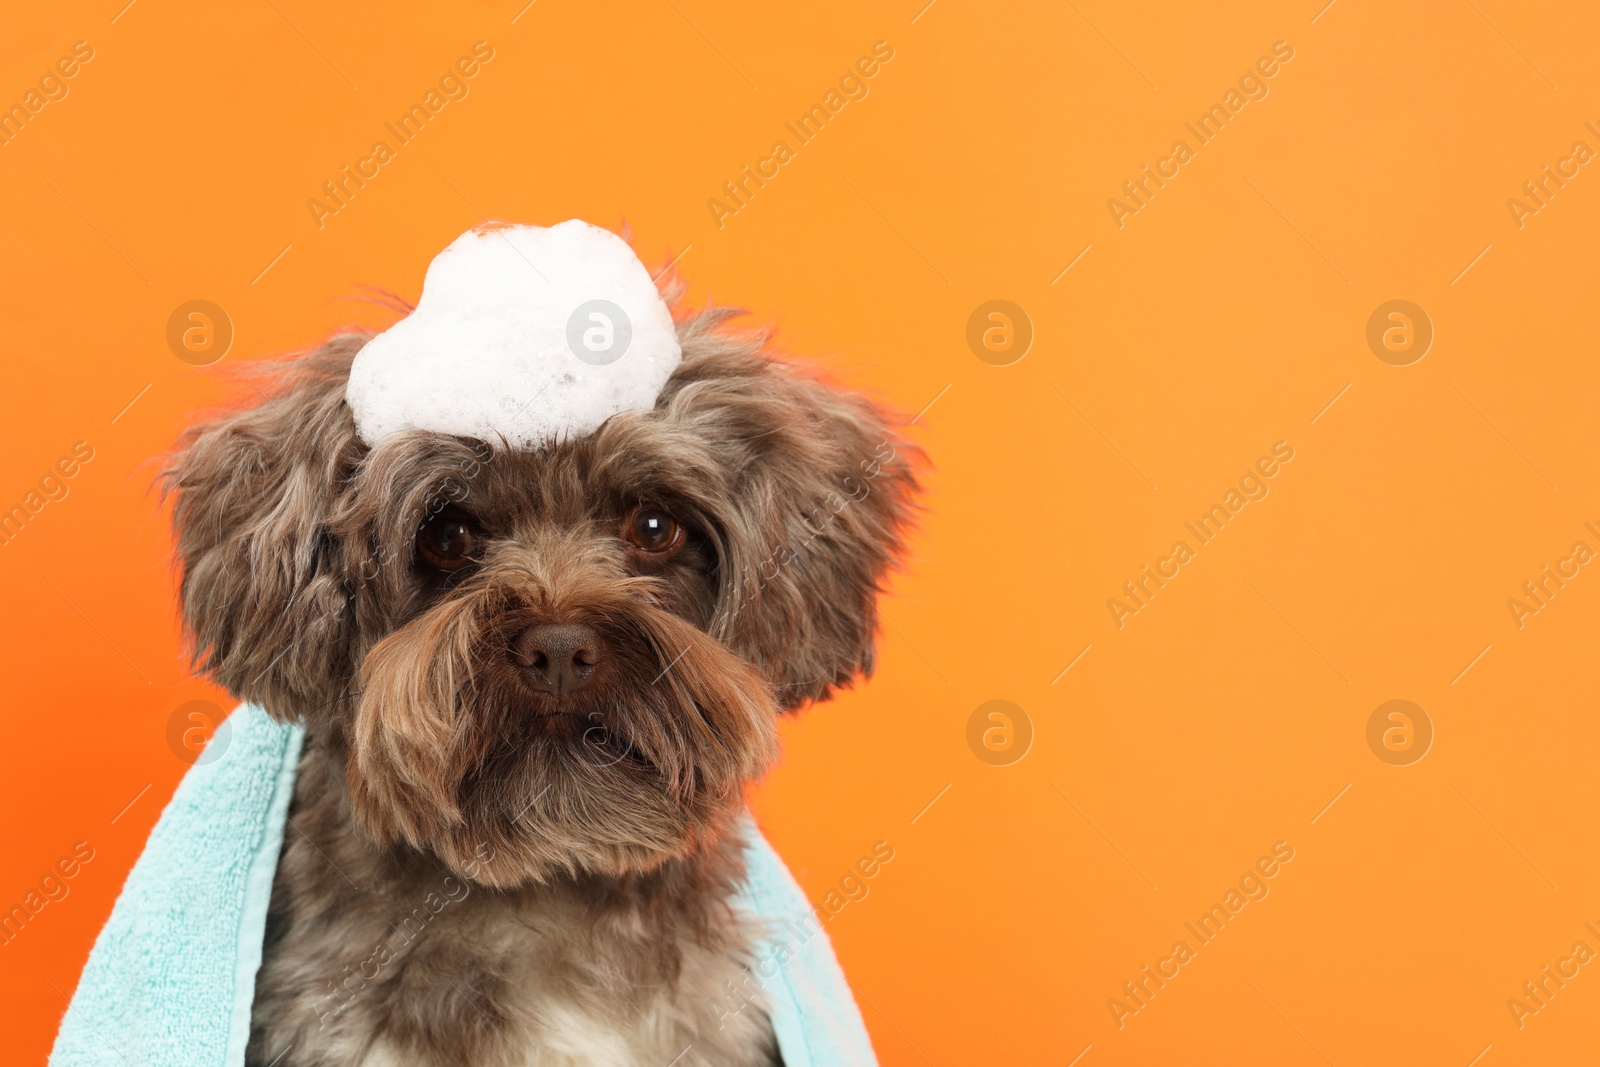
383 958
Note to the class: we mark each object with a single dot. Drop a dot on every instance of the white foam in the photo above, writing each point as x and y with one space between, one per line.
531 333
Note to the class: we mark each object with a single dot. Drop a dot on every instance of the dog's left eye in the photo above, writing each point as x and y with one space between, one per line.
447 540
653 531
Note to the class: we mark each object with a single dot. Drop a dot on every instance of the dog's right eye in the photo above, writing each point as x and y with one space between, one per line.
447 540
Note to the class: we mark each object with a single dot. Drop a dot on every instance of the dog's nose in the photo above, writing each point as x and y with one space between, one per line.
559 657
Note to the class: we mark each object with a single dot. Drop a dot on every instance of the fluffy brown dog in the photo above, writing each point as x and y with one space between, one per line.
534 685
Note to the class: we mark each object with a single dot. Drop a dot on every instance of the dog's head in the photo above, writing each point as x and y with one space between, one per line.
574 655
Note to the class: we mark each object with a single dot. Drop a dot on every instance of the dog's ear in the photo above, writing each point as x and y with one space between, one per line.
263 595
823 484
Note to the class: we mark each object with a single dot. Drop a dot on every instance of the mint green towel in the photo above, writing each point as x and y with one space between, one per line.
172 975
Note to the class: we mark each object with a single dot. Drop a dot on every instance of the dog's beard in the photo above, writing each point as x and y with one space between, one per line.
453 753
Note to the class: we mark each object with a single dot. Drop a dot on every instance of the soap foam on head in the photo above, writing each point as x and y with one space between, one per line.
528 333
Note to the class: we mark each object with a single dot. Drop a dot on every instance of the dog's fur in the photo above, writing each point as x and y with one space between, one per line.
477 871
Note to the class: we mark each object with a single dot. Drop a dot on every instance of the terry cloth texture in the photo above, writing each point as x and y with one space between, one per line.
172 976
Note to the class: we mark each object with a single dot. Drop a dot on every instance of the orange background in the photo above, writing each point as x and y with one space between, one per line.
1223 317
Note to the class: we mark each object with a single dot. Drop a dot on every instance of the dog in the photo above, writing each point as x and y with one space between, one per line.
535 685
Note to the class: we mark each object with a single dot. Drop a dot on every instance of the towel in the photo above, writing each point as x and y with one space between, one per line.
172 975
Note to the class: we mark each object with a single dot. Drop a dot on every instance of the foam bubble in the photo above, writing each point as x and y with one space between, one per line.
531 333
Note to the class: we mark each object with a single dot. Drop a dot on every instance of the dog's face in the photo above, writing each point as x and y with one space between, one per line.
535 662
